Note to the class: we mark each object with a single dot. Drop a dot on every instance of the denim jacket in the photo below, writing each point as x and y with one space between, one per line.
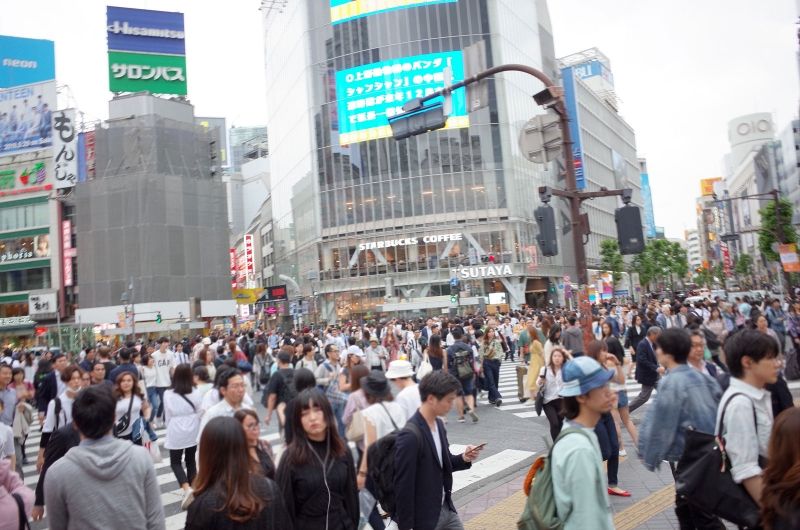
686 398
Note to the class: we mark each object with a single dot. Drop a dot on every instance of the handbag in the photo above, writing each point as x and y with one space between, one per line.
124 422
425 367
704 480
355 431
538 404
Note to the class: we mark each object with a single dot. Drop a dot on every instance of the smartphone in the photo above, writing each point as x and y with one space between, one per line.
479 446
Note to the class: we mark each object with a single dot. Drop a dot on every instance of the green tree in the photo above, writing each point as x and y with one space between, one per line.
661 260
744 265
703 277
611 260
767 234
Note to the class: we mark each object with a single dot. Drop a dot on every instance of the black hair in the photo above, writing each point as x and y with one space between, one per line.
304 378
748 343
458 334
124 354
572 320
675 342
329 347
183 380
351 340
438 384
201 372
284 357
298 452
93 411
570 407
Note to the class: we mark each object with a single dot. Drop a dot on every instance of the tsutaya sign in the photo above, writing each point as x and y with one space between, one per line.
409 241
483 271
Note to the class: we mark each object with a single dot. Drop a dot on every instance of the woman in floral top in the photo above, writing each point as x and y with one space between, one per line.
491 353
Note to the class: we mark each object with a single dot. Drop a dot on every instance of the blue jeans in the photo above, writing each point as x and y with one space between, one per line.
155 401
338 411
491 374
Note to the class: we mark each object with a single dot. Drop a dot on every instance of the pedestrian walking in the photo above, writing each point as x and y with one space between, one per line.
401 374
227 495
16 500
231 391
182 416
780 499
647 369
550 377
491 352
260 451
59 410
460 363
130 406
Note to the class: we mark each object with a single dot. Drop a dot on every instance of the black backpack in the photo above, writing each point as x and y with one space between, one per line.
287 391
380 465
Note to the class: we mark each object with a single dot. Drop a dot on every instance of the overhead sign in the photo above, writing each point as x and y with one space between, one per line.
277 293
65 149
707 186
68 252
17 179
247 296
146 51
484 271
233 268
571 99
789 259
369 95
25 117
42 303
16 322
249 254
344 10
25 61
408 241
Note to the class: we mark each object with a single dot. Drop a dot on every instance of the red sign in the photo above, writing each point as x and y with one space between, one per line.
726 260
90 154
233 267
40 330
277 292
249 254
68 252
271 310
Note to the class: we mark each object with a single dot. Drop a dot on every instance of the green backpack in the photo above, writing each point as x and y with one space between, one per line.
540 508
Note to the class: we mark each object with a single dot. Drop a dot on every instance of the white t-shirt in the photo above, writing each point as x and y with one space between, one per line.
223 408
183 421
164 362
6 441
122 409
377 416
64 417
149 374
409 399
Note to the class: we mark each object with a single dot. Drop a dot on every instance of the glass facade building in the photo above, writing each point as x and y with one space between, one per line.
372 224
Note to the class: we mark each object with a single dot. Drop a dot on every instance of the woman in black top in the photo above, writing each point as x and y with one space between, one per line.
635 333
612 343
436 354
780 500
260 451
316 472
227 494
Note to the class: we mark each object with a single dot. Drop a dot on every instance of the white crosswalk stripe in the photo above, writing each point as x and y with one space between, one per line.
508 389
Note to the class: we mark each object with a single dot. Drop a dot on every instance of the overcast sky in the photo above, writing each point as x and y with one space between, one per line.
682 69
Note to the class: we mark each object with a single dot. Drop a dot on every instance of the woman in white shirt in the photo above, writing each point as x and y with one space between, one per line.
550 377
149 375
130 402
182 416
59 410
381 417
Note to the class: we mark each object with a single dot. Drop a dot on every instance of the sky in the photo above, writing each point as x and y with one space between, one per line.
682 69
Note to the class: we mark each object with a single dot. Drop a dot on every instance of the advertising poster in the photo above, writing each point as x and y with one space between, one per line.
571 100
26 117
344 10
65 149
26 61
17 179
369 95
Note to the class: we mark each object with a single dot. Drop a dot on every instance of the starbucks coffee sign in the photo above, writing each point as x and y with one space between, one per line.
483 271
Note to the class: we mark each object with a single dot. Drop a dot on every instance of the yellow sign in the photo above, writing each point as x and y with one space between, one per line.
247 296
707 186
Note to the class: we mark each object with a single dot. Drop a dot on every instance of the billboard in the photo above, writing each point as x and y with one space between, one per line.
344 10
17 179
25 117
593 69
571 98
146 51
369 95
649 213
25 61
708 186
65 149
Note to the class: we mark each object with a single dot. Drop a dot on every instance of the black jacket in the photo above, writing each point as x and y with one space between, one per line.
419 478
48 389
61 441
205 510
646 364
632 338
458 346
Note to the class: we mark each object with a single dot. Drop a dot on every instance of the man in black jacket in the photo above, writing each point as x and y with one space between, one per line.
423 463
52 386
647 369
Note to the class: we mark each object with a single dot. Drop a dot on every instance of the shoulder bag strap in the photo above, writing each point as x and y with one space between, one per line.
188 401
390 417
23 517
130 404
725 407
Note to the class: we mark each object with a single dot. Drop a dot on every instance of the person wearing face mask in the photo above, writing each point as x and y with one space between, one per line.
316 473
59 409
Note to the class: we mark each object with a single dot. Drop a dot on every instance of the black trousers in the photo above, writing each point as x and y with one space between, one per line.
691 518
177 468
552 410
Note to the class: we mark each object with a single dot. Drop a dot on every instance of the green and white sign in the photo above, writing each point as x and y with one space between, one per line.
155 73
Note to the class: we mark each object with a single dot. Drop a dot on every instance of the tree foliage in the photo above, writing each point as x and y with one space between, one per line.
611 260
661 260
744 265
767 234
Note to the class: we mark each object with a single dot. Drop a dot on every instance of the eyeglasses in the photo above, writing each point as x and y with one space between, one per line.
236 385
252 427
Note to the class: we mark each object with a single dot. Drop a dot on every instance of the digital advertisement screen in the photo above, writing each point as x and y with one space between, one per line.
343 10
369 95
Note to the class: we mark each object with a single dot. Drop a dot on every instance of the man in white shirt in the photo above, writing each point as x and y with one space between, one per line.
231 390
400 373
165 364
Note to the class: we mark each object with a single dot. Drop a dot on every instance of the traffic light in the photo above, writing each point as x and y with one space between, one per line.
419 120
453 298
547 239
455 291
629 230
158 317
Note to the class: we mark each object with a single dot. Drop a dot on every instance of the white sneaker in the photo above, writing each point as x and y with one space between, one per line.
186 499
623 452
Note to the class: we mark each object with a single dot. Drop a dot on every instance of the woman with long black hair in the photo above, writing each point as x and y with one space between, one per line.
227 493
316 473
182 416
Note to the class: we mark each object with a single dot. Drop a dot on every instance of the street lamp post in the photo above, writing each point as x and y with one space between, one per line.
125 298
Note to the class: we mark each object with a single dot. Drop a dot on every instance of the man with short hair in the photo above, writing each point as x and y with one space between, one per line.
90 487
88 360
52 386
424 465
401 373
97 374
104 353
647 369
327 375
280 389
579 482
231 392
125 365
687 398
572 337
164 364
461 352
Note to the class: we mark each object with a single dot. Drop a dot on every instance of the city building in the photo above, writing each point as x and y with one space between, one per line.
155 214
693 249
789 169
375 225
246 143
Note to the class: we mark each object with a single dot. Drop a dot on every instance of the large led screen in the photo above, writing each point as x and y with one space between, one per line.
369 95
343 10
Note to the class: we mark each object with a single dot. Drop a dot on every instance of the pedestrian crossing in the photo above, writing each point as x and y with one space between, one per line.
508 389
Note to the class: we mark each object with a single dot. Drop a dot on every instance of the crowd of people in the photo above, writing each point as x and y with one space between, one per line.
385 389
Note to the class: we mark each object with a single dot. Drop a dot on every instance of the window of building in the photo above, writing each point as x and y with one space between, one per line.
25 280
27 216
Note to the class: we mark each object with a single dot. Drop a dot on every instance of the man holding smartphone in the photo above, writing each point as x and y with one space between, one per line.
424 465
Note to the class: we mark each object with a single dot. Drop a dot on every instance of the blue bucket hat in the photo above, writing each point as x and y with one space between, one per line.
582 375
